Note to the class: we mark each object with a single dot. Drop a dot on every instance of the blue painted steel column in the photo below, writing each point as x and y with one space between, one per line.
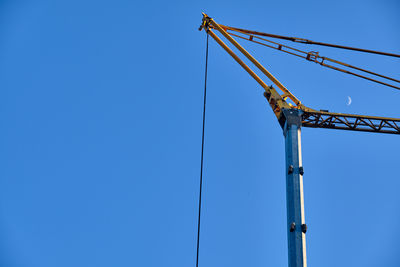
296 226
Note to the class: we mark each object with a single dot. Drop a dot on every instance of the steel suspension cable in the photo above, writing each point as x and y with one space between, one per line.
314 56
202 156
305 41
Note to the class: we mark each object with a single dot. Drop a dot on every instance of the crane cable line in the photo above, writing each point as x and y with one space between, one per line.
281 46
315 57
305 41
202 156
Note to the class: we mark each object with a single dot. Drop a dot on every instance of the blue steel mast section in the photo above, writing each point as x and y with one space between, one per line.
296 227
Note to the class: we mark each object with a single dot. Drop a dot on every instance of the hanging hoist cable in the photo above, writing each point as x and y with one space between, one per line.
202 156
311 56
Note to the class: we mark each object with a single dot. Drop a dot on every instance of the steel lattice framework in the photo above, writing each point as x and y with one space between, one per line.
320 119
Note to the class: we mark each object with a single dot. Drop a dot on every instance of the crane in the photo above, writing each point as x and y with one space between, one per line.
292 115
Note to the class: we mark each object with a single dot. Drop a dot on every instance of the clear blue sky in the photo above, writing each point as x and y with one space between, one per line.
101 105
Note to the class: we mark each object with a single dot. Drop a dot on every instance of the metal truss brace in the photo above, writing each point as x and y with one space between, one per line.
320 119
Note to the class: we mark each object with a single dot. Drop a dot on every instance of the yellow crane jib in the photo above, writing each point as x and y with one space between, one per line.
279 101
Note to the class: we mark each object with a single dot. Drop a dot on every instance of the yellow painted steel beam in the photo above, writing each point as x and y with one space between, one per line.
276 101
214 24
238 60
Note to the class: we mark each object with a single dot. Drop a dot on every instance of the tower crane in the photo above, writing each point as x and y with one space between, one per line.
292 115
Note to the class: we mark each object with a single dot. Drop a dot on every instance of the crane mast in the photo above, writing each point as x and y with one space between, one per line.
292 115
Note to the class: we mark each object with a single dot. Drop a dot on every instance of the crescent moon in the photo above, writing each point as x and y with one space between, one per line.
348 101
